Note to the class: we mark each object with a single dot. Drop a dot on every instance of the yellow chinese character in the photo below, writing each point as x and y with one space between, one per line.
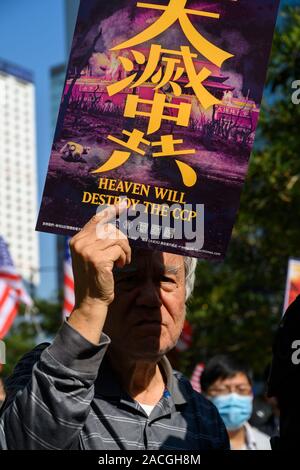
171 73
174 11
167 143
157 111
119 157
128 67
159 78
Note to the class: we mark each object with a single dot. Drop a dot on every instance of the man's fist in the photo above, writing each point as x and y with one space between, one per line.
95 250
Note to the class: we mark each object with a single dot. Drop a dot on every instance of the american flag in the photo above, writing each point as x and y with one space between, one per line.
12 291
69 298
196 376
186 337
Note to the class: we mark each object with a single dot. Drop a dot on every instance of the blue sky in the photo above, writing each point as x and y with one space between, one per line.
32 35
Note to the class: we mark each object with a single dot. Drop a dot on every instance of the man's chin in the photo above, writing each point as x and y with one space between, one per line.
149 353
149 347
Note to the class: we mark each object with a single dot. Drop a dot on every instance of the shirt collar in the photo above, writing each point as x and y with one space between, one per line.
174 385
250 438
108 384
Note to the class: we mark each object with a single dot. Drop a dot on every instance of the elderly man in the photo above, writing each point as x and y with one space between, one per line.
105 383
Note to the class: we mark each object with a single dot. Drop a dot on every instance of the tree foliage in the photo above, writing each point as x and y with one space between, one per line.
30 330
238 304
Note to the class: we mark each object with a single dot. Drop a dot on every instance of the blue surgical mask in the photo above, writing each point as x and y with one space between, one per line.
235 410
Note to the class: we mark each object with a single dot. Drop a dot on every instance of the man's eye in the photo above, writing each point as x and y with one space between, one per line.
167 279
126 280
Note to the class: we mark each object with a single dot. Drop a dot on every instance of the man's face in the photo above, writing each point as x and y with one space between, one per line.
146 317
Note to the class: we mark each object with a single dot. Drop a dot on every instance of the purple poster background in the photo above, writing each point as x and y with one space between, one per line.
221 136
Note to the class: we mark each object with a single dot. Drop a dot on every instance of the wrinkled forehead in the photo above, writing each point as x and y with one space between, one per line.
149 260
239 378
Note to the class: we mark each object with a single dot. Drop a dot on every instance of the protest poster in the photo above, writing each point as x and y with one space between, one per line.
292 289
160 106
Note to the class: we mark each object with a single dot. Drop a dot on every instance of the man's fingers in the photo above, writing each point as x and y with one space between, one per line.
123 243
114 254
110 236
105 215
111 212
101 218
120 260
103 237
109 231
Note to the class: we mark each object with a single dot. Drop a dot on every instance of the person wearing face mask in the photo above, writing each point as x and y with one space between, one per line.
228 386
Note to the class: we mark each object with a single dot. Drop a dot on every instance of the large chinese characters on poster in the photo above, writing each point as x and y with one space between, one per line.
160 107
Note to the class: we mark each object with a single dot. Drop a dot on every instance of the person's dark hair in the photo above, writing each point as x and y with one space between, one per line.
222 367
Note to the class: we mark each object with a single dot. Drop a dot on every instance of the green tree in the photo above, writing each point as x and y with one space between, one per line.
31 329
237 304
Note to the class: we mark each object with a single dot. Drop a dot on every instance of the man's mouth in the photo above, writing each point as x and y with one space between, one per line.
149 323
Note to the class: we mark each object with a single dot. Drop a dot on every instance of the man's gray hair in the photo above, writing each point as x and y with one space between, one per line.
190 265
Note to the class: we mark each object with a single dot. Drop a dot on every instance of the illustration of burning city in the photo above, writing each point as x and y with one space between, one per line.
160 108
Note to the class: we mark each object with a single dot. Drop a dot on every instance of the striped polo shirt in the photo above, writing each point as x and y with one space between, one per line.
67 396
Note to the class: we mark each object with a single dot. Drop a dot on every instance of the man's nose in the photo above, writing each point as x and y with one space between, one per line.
149 295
